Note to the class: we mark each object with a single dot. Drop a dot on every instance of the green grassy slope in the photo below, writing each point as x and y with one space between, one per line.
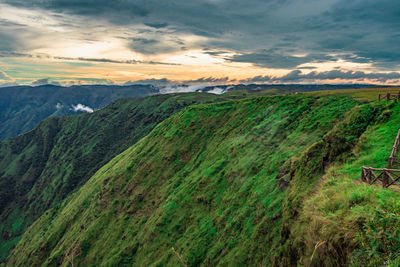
40 168
22 107
257 181
362 94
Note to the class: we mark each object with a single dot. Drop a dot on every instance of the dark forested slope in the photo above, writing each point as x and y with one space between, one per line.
22 107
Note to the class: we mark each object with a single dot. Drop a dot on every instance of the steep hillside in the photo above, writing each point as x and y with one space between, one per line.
40 168
22 107
259 181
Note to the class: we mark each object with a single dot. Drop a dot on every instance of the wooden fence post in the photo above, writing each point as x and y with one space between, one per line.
385 178
362 174
369 175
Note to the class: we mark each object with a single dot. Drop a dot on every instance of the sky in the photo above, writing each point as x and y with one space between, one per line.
199 41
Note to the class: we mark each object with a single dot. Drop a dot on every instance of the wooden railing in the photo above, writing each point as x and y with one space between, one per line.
389 96
393 159
386 177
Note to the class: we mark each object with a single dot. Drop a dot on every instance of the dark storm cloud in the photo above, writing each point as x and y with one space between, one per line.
150 46
157 25
117 11
280 61
363 30
146 46
8 42
14 38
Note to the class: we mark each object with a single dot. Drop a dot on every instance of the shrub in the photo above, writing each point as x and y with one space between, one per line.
379 240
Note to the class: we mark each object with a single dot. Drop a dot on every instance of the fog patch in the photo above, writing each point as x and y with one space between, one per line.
180 89
83 108
217 90
59 106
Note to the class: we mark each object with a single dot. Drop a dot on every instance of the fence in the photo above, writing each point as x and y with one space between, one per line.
386 177
389 96
392 159
389 176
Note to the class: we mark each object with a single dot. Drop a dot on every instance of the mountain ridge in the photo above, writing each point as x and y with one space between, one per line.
206 182
22 107
42 167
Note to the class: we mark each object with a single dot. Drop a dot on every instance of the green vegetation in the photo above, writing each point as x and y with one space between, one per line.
22 107
269 180
364 94
41 168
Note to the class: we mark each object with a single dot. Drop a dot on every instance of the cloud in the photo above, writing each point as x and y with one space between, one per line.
116 11
257 79
8 84
11 41
157 25
217 91
81 107
155 82
44 82
104 60
4 76
148 46
211 80
296 76
40 82
365 28
218 85
156 44
167 82
107 60
59 106
166 86
290 34
181 88
270 59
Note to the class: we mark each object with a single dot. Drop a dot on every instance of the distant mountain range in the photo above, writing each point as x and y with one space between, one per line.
284 87
22 107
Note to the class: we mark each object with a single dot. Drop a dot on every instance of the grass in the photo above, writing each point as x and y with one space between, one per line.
368 94
341 206
203 181
258 181
41 168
